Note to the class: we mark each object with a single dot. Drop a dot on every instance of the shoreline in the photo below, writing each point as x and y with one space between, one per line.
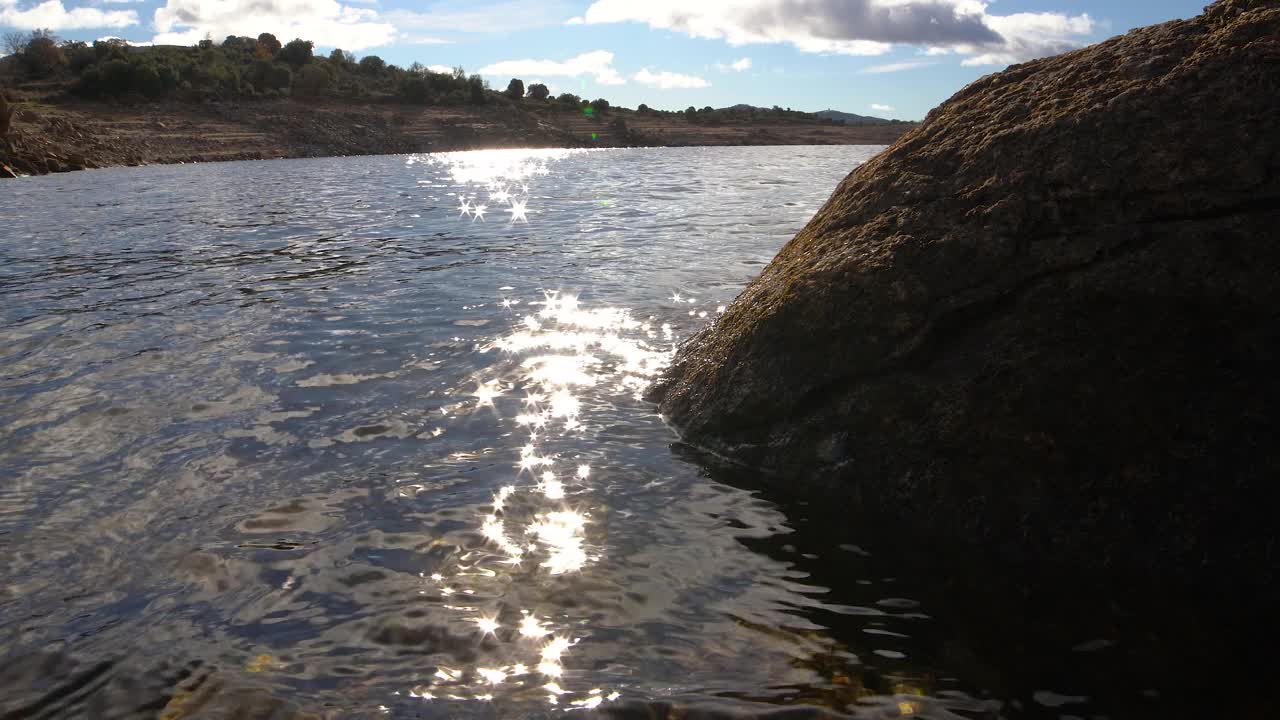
66 135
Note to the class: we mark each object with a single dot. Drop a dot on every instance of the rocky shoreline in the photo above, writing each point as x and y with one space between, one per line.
71 135
1042 323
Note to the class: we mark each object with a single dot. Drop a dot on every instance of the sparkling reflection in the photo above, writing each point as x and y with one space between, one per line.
501 177
533 527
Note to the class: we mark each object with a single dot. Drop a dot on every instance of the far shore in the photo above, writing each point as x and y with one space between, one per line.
49 137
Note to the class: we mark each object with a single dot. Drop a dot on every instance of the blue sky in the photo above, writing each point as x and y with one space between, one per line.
892 58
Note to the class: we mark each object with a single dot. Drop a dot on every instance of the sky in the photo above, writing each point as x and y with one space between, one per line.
889 58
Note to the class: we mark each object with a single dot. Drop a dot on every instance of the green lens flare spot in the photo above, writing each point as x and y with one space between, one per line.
594 136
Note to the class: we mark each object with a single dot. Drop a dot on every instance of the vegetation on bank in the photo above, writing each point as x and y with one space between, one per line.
245 68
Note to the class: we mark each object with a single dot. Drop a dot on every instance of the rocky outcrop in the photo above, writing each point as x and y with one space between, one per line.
1047 320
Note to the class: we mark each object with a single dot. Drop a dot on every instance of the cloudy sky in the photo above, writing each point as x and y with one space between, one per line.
894 58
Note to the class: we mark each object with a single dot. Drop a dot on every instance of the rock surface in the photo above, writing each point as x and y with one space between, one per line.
1046 321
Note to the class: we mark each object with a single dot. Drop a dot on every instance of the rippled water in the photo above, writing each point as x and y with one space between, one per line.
319 434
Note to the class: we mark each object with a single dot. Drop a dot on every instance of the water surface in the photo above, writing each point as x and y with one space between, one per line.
365 437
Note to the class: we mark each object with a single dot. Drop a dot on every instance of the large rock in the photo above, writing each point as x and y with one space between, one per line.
1047 320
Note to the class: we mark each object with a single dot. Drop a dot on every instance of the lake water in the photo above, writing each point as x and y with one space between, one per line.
322 434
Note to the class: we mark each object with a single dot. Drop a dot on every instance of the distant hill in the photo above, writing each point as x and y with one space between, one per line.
851 118
832 115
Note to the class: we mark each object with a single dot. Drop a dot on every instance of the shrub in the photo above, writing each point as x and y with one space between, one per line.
116 77
415 89
269 43
146 80
42 56
372 64
79 56
538 91
515 89
297 53
312 80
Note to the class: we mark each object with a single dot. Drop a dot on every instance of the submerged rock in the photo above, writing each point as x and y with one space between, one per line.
1047 320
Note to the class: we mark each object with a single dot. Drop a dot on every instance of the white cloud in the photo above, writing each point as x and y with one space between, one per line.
126 42
858 27
56 16
575 20
738 65
896 67
501 17
597 64
1031 35
328 23
881 108
442 69
669 80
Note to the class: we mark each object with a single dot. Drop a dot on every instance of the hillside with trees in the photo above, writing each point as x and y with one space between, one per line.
303 103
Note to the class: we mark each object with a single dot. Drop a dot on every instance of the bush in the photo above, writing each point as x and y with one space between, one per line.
79 56
601 105
108 49
372 64
515 89
116 78
147 81
42 57
415 89
297 53
269 43
270 76
538 91
476 90
312 81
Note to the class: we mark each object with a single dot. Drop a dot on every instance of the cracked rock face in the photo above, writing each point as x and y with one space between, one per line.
1047 320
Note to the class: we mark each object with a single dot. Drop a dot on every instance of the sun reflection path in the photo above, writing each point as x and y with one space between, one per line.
493 180
566 358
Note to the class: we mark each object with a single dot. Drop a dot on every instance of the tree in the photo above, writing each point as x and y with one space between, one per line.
515 89
601 105
15 41
269 43
297 53
341 57
568 99
79 56
110 48
476 88
42 56
372 64
538 91
642 108
415 89
312 80
146 80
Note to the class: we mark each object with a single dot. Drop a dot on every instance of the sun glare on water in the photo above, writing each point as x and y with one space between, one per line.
559 360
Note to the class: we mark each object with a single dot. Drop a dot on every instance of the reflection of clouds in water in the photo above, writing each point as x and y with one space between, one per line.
560 351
